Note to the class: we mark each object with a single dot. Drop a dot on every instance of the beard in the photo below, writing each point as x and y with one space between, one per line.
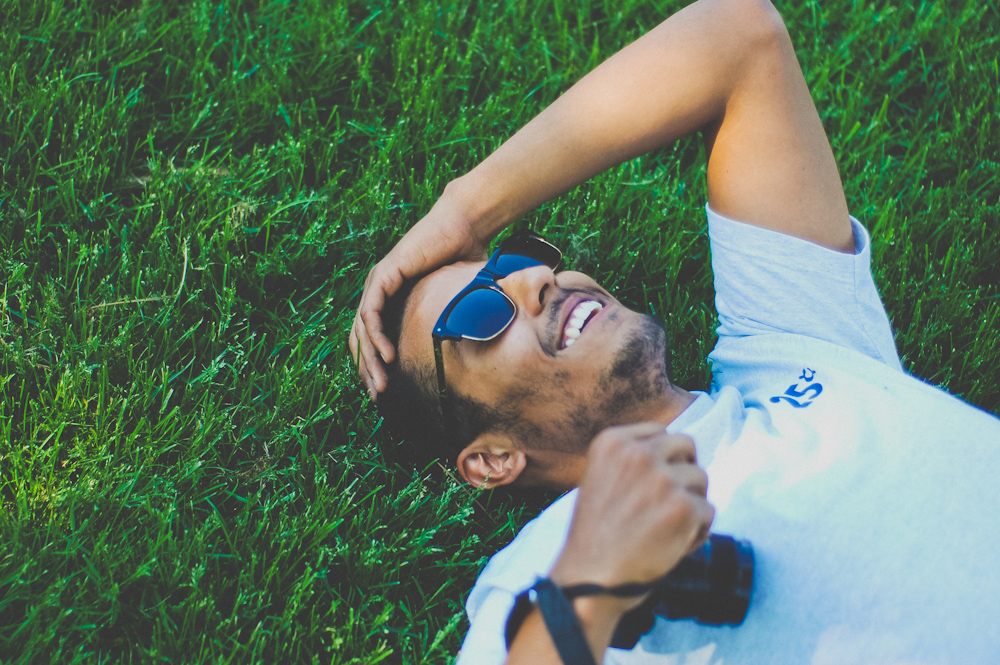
642 362
634 383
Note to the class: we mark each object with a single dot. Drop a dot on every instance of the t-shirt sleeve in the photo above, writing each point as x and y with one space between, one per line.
509 572
485 642
770 282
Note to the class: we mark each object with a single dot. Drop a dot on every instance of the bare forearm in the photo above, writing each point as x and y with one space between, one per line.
671 82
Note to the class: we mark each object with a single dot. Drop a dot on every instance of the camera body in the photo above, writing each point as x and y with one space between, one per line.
712 585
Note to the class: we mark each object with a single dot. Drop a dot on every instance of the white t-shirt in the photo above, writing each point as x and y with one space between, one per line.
870 497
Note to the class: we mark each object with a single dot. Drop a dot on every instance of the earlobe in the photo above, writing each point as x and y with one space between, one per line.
490 462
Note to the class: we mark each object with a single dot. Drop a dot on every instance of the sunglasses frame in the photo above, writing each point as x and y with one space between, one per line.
486 278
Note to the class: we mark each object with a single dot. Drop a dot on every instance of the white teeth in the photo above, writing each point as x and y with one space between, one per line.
576 320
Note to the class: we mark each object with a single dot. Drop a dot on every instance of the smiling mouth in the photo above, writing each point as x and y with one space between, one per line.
578 318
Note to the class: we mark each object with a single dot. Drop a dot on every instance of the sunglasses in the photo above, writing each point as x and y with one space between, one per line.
481 311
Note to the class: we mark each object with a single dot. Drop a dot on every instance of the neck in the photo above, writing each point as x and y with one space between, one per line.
564 470
674 403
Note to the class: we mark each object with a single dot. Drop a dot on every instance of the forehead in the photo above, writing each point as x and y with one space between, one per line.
426 302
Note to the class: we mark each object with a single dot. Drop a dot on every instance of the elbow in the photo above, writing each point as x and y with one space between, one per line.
755 24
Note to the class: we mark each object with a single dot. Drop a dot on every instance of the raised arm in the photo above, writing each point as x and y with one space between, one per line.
725 67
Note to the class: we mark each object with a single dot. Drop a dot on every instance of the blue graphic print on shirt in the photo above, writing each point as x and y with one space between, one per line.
798 397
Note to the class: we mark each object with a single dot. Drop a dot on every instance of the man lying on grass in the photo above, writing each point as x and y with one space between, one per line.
869 496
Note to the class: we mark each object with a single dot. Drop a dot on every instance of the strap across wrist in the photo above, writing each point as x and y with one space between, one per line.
556 607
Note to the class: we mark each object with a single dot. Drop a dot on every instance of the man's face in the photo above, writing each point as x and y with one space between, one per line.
614 372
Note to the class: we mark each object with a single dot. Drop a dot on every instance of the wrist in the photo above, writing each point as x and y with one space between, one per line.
575 639
581 618
600 612
598 606
474 202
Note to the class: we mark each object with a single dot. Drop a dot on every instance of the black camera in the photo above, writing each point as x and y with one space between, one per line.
711 585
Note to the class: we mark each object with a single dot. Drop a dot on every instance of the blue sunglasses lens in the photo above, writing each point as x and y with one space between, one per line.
481 314
510 263
521 253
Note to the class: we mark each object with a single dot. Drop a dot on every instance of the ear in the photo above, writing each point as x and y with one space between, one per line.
490 461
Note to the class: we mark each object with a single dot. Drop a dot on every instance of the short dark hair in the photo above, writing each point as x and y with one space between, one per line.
410 405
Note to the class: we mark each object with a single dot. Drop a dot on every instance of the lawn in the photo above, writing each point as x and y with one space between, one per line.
191 196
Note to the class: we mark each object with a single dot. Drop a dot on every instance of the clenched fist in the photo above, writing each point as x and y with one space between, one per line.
640 510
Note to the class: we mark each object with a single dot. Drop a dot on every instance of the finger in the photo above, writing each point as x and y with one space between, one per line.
377 378
370 370
703 515
671 448
370 384
645 430
373 375
612 442
355 345
679 449
634 432
691 478
369 379
380 285
377 338
357 352
353 341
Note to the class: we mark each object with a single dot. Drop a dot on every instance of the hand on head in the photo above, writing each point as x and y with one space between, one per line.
641 509
443 236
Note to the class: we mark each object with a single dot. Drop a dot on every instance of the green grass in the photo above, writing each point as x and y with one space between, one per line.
191 197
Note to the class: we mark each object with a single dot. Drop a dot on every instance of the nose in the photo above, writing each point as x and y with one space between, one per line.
527 288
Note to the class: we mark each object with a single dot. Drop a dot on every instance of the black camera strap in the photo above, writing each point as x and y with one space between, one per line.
555 604
564 627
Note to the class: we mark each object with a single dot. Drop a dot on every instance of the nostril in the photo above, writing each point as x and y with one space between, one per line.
541 294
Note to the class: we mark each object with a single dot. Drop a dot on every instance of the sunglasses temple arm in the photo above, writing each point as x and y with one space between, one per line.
442 386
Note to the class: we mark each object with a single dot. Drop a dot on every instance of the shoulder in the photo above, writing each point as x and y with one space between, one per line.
529 555
511 570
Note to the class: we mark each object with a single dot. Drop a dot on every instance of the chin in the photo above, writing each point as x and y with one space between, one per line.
638 373
633 386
